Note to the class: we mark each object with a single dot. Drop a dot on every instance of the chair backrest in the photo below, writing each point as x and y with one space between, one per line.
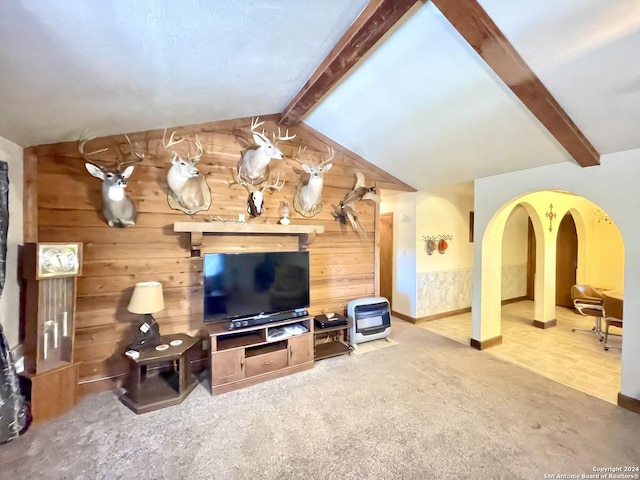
585 292
612 307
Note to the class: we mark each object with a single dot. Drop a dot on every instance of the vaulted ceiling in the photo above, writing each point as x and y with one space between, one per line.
437 93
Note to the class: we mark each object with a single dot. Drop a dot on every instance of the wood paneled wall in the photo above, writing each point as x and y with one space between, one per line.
69 209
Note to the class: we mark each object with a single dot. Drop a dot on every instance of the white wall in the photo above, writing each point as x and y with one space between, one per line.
443 280
430 284
10 300
439 214
607 257
612 186
404 251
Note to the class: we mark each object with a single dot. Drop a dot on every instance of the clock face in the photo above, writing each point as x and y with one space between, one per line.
58 260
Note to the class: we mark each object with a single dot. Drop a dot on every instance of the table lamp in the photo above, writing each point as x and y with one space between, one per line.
146 299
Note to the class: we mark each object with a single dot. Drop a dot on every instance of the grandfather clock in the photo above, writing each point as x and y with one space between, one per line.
50 378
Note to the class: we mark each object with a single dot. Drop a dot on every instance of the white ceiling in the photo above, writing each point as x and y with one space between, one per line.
422 105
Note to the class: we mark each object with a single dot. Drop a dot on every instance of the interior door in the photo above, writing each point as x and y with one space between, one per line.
566 260
386 256
531 261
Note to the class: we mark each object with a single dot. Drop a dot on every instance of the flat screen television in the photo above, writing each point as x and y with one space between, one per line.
244 285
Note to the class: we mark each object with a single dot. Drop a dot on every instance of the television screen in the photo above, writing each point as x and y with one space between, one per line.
240 285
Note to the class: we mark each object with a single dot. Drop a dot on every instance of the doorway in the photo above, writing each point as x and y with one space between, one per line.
566 260
386 256
531 260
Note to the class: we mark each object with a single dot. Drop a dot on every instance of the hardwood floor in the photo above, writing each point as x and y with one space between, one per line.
576 359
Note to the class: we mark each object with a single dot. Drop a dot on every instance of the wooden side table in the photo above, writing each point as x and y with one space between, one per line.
331 341
161 378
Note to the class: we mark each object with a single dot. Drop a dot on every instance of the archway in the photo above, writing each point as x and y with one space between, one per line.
593 265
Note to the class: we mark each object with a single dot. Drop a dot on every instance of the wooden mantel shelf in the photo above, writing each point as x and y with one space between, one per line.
307 233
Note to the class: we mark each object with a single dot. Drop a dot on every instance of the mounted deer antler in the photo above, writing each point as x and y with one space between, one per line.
117 208
255 202
307 199
254 162
188 190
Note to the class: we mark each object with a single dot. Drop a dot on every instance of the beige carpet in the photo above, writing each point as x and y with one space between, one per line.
428 407
373 346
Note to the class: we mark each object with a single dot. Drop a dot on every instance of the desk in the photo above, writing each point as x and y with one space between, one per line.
612 308
160 378
614 293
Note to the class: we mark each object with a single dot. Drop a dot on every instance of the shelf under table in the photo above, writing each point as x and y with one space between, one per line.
331 349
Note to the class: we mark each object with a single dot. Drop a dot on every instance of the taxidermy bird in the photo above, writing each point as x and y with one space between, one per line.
343 213
360 192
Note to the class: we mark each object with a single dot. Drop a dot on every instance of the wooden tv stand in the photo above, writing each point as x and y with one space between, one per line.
246 356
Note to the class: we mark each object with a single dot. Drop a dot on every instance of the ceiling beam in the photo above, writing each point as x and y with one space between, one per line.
372 23
475 26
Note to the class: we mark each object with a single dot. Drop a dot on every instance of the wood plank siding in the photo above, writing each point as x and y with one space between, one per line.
69 210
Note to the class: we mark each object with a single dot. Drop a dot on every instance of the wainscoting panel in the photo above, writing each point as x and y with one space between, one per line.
444 291
450 290
514 281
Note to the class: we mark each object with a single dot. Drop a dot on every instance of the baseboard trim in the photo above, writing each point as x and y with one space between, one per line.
484 344
428 318
514 300
629 403
547 324
103 384
402 316
450 313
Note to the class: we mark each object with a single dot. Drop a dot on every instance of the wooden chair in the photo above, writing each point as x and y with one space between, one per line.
612 316
588 301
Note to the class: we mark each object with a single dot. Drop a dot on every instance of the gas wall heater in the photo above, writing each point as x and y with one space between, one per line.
370 319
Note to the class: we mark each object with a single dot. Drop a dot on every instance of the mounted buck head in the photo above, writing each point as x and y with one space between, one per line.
117 208
255 202
188 190
254 162
308 201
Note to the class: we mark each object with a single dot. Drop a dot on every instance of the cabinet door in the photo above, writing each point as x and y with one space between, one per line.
301 349
227 366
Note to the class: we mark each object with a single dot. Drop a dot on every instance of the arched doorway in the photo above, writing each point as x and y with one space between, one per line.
598 258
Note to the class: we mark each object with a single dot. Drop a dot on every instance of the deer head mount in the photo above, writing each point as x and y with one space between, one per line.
188 190
253 166
118 209
255 202
307 197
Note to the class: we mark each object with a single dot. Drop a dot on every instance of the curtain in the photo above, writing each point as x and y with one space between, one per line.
14 413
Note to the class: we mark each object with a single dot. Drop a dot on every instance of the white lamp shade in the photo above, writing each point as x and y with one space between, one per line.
146 298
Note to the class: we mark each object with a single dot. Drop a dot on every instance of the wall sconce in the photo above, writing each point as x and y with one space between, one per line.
437 241
146 299
602 216
284 212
